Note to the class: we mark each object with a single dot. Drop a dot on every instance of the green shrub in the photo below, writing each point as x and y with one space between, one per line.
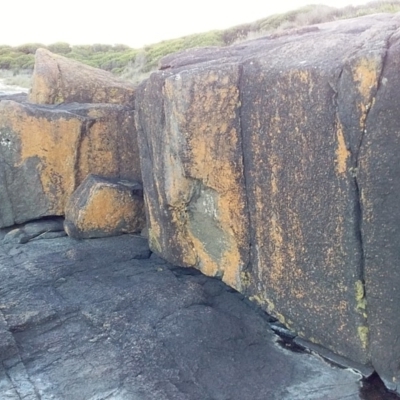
29 48
135 64
59 48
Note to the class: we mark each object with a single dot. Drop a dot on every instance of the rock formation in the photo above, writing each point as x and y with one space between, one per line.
105 207
99 319
47 151
36 230
273 164
57 79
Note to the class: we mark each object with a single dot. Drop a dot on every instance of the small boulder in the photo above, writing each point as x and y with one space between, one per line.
57 79
103 207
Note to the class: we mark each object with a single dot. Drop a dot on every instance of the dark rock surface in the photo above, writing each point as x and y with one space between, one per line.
380 188
99 319
274 164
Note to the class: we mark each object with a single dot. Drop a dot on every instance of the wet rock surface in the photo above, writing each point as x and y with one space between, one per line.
102 319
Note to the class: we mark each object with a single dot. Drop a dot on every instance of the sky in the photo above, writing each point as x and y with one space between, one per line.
134 23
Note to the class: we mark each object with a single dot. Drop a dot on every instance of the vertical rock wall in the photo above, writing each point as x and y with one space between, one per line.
194 172
272 164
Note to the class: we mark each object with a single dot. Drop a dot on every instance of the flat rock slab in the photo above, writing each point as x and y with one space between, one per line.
101 319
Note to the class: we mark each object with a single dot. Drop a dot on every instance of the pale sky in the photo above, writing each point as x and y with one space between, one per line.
134 23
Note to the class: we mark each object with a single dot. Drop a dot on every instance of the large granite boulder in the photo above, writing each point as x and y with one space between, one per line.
47 151
273 165
105 207
57 79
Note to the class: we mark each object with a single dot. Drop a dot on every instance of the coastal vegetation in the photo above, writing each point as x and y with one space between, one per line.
16 63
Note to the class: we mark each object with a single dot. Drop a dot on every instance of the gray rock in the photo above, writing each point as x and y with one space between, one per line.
44 229
88 320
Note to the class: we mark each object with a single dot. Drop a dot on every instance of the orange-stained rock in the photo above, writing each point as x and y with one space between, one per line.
46 152
105 207
196 203
57 79
262 164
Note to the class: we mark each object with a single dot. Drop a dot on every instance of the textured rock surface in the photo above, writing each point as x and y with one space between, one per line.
288 132
57 79
196 204
105 207
36 230
47 151
98 319
380 190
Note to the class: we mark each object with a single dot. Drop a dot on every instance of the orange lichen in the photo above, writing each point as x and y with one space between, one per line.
208 124
53 143
366 75
107 207
342 153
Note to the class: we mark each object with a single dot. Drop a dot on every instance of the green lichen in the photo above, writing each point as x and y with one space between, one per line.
154 244
245 279
360 297
363 335
257 299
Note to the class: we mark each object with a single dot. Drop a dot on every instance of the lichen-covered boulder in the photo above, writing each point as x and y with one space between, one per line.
272 164
105 207
193 169
57 79
47 151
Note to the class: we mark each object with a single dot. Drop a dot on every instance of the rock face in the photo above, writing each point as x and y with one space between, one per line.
104 207
196 203
273 164
47 151
57 79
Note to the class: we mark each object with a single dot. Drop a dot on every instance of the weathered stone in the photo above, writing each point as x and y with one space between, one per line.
47 151
283 124
88 320
379 185
300 136
36 230
57 79
196 205
103 207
